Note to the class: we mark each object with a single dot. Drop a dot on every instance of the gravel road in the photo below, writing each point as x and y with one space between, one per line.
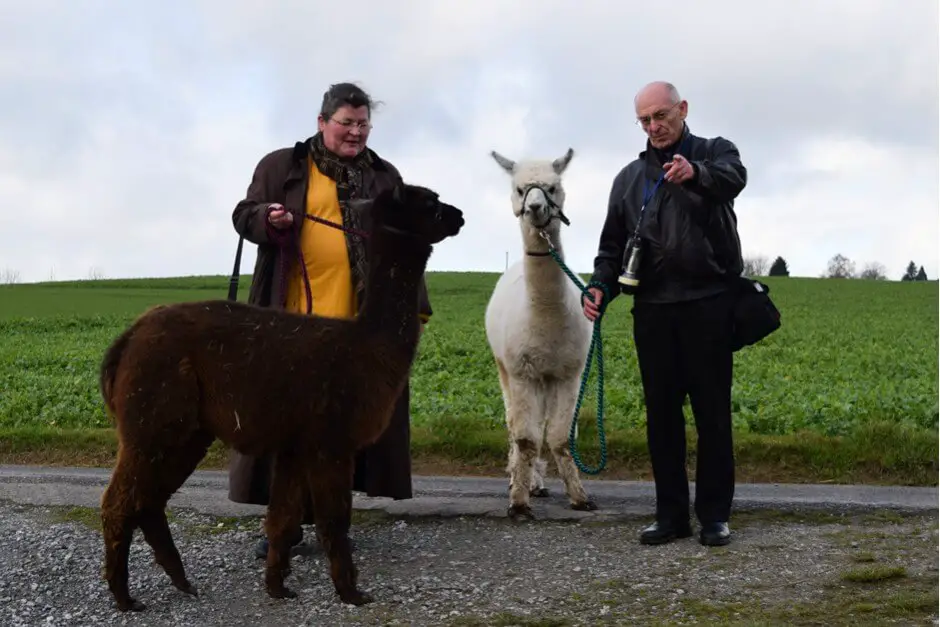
782 568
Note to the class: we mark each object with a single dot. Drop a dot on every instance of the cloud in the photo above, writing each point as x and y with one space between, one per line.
128 132
855 199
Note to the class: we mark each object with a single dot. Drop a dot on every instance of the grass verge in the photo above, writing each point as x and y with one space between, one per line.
874 453
909 601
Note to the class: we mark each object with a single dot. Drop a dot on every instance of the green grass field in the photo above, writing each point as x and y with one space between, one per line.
846 390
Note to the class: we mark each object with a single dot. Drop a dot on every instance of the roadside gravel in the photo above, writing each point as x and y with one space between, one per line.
781 568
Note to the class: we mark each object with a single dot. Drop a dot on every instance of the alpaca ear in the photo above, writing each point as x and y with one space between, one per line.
560 164
507 164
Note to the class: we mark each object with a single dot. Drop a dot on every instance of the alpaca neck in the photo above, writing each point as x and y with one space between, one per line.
396 265
545 280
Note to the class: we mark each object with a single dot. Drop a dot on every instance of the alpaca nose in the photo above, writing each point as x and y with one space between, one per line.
536 206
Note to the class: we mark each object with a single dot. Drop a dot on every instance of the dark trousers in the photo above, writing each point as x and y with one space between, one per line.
685 349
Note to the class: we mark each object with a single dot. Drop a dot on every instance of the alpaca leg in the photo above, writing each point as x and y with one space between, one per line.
561 402
157 533
153 517
331 482
137 496
285 511
539 470
118 521
504 387
523 420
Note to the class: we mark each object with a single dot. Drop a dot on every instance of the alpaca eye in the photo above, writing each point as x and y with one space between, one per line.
519 191
551 189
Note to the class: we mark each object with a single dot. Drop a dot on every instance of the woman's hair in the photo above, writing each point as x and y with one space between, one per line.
342 94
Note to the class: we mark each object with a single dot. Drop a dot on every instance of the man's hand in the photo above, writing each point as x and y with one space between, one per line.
679 170
592 308
279 217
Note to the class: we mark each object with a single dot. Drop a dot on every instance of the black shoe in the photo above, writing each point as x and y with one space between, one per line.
298 546
261 549
714 534
662 531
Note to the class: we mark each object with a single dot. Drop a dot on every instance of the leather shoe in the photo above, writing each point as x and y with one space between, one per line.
299 547
663 531
714 534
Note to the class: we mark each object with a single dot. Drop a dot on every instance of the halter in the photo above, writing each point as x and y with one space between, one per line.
555 213
552 205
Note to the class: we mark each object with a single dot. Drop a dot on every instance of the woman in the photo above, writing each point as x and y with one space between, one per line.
318 176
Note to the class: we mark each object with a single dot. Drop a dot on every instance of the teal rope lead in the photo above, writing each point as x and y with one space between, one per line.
596 345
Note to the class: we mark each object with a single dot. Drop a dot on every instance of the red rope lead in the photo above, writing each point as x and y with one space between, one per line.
303 265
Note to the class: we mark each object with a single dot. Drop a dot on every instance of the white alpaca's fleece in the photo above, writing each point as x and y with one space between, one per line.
539 338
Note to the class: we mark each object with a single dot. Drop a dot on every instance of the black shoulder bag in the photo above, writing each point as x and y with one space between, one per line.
754 314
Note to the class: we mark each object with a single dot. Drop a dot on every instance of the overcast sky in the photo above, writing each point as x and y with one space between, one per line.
129 130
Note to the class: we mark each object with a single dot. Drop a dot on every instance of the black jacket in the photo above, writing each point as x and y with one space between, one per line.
689 231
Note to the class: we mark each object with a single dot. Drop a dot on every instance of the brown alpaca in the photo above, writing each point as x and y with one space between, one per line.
310 390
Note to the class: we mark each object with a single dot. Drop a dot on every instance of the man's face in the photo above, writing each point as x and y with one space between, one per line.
660 119
346 131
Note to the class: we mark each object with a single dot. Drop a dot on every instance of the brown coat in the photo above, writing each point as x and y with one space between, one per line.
383 469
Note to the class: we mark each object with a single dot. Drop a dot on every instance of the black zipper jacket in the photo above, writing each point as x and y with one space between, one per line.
688 233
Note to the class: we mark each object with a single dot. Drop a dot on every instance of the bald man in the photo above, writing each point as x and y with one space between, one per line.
678 257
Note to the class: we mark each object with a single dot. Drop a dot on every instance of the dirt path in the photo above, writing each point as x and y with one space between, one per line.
792 568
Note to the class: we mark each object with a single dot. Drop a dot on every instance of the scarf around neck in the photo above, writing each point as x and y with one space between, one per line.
347 172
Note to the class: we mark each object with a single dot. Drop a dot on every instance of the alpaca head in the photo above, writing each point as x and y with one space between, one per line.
538 196
416 211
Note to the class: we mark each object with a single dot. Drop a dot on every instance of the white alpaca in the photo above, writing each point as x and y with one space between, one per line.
539 338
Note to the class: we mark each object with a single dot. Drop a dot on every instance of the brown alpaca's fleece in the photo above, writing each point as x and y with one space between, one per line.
310 390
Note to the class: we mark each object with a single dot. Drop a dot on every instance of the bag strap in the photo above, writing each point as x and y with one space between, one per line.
233 280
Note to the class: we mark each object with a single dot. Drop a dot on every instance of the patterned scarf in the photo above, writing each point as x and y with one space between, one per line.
348 175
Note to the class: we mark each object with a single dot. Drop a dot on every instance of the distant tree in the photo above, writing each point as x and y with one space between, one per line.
840 267
9 276
779 267
921 275
874 270
910 273
756 265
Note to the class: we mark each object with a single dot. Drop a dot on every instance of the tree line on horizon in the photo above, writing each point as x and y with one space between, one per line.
839 267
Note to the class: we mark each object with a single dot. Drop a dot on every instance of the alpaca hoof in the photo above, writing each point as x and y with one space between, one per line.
131 605
586 506
189 588
523 511
540 492
356 597
282 592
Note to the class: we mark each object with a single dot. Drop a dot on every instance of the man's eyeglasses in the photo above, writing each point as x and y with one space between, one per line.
660 116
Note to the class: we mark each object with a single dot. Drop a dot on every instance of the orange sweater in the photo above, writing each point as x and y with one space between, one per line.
325 255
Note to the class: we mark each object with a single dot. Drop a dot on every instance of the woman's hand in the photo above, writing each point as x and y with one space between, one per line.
279 217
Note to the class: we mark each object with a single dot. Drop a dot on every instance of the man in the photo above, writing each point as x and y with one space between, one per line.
319 177
688 255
